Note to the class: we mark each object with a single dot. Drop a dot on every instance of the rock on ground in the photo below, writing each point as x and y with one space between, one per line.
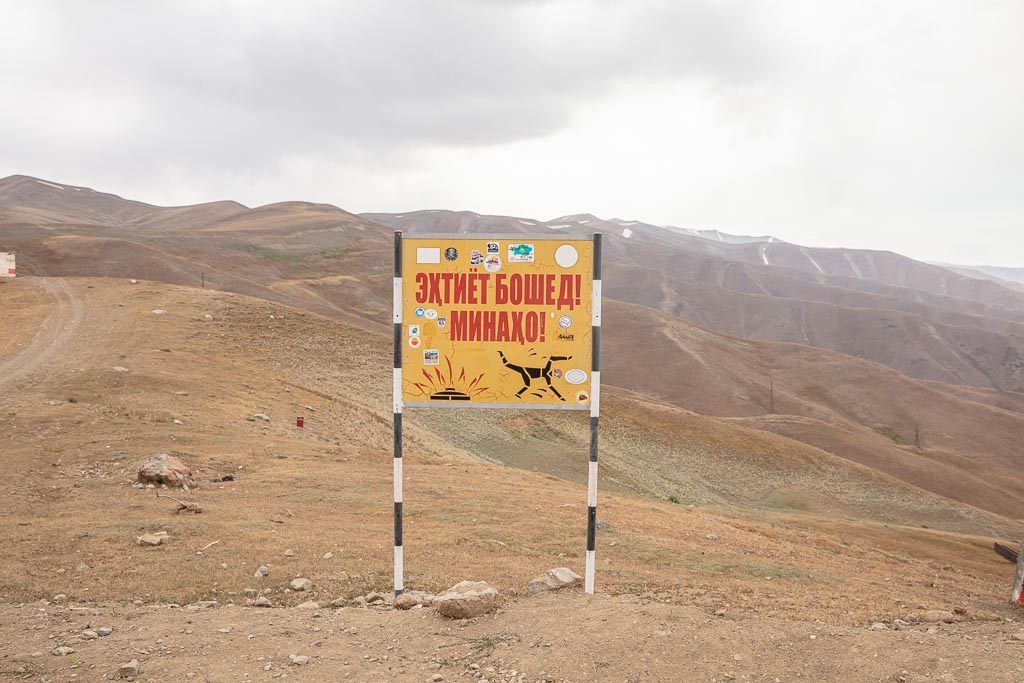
466 599
152 539
166 469
938 615
411 599
129 670
554 579
301 584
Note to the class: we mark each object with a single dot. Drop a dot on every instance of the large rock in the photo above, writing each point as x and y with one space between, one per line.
554 579
166 469
466 599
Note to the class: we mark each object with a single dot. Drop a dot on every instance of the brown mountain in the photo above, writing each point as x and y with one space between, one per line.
919 319
868 352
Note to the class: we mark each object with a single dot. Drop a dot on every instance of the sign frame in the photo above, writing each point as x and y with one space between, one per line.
595 390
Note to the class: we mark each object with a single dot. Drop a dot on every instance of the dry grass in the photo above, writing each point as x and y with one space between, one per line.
66 499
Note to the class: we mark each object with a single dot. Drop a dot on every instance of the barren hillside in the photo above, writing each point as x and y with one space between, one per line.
762 539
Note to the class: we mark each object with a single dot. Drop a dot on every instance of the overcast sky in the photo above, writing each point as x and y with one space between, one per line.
887 125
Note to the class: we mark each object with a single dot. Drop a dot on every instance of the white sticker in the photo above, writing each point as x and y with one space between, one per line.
575 376
566 256
428 254
431 314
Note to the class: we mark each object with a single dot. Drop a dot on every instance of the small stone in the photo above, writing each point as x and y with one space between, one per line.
150 539
90 635
224 630
289 553
309 604
207 317
373 597
301 584
104 631
118 368
938 616
340 602
129 670
134 281
712 537
178 422
328 556
299 660
554 579
159 311
262 571
437 677
262 602
63 651
960 611
1019 635
878 626
59 597
262 416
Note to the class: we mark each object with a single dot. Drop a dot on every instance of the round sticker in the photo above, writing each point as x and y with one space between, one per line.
493 263
431 314
575 376
451 254
475 258
414 342
419 312
565 322
566 256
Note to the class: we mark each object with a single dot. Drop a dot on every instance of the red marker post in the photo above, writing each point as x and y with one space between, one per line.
300 422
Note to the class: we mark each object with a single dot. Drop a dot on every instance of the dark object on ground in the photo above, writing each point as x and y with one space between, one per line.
1008 553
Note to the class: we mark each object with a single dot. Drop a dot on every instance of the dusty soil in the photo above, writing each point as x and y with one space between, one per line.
555 637
777 572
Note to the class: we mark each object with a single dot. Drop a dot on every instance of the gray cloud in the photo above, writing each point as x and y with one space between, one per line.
857 123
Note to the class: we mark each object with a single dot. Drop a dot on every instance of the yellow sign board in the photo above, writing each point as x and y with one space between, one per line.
497 322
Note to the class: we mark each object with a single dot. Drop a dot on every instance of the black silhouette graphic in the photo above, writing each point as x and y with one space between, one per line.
531 373
449 394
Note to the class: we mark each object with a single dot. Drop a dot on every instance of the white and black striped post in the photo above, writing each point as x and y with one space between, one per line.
595 413
397 394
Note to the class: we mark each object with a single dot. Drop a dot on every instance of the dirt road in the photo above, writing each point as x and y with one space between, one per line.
52 337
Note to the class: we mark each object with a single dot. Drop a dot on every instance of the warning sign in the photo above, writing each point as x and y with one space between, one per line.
493 322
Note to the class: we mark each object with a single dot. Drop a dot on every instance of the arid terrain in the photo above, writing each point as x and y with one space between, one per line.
801 543
799 533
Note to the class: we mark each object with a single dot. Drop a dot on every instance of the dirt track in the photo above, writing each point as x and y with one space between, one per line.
55 334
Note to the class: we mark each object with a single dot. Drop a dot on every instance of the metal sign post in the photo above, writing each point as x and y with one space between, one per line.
497 321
